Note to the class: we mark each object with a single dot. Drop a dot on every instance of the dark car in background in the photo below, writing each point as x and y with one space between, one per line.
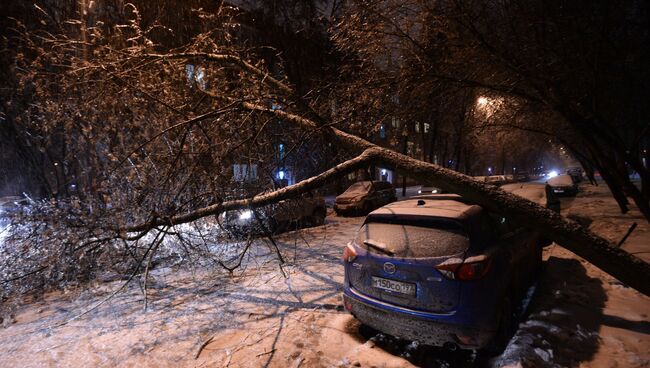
429 189
563 185
521 176
305 211
575 173
363 197
441 271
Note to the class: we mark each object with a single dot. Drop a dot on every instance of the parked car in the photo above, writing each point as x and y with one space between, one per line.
441 271
428 189
575 173
539 193
286 215
364 196
563 185
521 176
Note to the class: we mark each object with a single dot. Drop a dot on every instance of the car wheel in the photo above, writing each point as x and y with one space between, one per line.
318 217
505 330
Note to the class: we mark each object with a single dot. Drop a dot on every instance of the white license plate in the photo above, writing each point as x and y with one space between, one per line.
396 286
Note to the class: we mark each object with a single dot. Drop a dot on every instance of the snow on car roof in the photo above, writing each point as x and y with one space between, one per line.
560 180
534 192
445 205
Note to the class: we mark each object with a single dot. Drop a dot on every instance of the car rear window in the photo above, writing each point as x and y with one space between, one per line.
400 240
360 187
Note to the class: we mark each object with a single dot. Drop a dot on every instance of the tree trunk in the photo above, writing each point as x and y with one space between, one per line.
626 267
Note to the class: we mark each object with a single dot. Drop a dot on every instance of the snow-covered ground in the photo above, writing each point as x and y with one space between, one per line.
256 317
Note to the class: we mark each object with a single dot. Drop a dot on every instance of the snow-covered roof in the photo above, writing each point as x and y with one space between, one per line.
534 192
560 181
442 205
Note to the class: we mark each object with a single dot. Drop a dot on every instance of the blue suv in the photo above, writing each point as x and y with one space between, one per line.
441 271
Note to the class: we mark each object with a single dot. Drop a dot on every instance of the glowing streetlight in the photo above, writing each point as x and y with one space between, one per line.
482 101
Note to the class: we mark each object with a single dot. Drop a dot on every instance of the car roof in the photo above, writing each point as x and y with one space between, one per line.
450 206
560 180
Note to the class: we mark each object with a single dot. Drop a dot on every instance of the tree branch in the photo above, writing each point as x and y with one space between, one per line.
261 199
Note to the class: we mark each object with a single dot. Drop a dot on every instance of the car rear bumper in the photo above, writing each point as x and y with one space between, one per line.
428 328
566 191
347 208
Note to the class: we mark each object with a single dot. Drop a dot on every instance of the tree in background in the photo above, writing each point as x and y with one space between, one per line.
152 131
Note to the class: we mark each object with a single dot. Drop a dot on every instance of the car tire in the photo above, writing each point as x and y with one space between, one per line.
318 217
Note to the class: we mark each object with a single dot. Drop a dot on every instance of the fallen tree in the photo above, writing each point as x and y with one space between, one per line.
249 91
626 267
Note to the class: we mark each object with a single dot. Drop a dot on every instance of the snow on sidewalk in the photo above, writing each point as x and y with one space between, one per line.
582 317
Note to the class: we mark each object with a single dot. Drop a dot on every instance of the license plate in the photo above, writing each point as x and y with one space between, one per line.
396 286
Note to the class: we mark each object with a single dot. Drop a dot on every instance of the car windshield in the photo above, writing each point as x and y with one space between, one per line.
412 241
359 188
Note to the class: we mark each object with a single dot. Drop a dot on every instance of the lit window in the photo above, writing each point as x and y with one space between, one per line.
199 77
281 151
426 127
417 127
189 72
195 74
242 172
409 148
395 122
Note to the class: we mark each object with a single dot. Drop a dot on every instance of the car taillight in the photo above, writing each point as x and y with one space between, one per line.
465 271
349 254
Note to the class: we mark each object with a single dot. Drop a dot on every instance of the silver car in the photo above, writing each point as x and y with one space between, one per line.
277 218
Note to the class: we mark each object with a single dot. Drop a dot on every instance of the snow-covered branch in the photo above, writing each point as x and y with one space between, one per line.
263 199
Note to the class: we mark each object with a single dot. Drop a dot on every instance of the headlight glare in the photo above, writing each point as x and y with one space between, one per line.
245 215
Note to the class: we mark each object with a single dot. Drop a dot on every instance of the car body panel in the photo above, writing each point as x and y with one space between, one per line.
362 197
